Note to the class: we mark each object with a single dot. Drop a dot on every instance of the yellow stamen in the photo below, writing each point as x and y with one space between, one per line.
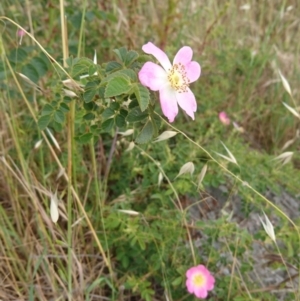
198 280
178 78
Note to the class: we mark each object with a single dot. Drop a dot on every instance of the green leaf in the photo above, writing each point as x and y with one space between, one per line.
146 134
156 121
89 116
44 121
59 116
143 96
39 65
129 73
69 61
79 116
92 70
90 16
117 86
17 55
45 59
143 58
89 106
124 113
64 107
120 121
114 105
54 103
76 19
67 99
177 281
81 67
130 57
90 91
57 126
47 109
101 92
113 66
95 129
3 71
88 95
30 49
136 115
84 138
121 53
142 245
125 261
30 71
107 113
134 103
107 125
121 73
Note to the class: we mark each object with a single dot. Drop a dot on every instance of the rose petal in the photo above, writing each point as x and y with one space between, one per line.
202 269
210 282
224 118
187 102
183 56
150 48
193 71
190 272
190 286
153 76
168 102
200 292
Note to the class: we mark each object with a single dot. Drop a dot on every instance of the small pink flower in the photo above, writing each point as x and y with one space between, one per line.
172 81
21 33
224 118
199 281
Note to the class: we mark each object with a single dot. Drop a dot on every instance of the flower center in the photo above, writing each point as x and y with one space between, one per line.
198 280
178 78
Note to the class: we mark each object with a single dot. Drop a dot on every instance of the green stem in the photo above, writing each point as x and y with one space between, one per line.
81 30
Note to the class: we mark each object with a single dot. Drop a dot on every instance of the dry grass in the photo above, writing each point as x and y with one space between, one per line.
34 249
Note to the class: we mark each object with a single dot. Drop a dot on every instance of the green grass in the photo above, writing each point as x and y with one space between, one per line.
97 251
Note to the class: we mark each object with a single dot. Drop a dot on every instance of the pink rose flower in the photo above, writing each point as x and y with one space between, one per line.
199 281
172 81
224 118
